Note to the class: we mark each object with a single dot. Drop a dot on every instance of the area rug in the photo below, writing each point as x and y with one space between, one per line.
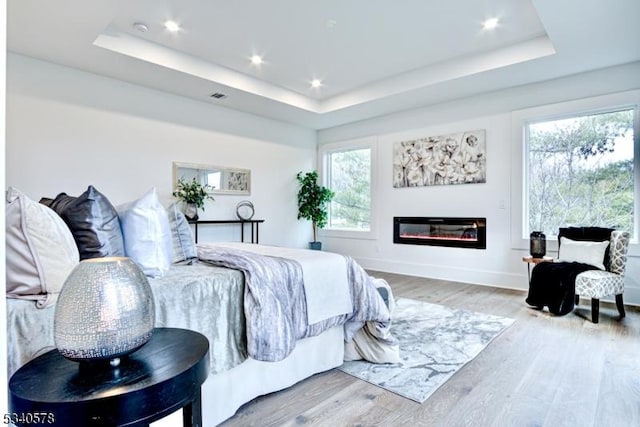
435 342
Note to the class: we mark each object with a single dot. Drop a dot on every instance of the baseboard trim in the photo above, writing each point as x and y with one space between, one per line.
454 274
472 276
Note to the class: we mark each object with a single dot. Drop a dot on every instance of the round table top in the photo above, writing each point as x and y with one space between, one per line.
533 260
162 376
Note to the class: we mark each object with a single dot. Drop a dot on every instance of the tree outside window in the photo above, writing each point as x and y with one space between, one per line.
581 172
349 177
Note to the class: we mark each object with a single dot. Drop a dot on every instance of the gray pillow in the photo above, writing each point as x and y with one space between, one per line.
184 246
93 221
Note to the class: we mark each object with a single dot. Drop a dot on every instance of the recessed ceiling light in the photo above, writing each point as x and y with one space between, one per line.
490 23
316 83
172 26
256 60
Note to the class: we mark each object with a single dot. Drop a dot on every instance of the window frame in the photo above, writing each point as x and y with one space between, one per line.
520 155
324 152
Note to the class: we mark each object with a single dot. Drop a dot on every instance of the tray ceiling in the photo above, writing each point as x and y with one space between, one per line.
372 57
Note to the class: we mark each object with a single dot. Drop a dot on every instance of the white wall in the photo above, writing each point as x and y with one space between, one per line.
3 306
499 264
67 129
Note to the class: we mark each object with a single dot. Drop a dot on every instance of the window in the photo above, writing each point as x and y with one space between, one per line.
350 179
577 164
580 171
348 173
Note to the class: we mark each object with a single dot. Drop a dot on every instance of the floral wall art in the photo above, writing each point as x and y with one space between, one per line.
238 181
457 158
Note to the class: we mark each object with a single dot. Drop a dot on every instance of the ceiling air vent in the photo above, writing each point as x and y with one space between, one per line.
218 95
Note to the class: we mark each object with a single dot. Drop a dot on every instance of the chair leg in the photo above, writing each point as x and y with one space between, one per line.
620 305
595 309
577 299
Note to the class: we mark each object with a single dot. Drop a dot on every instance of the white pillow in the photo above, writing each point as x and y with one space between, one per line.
40 250
146 232
582 251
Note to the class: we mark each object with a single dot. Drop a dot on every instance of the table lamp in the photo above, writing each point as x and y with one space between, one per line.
104 311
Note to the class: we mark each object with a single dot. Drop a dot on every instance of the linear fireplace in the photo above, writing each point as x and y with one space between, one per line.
439 231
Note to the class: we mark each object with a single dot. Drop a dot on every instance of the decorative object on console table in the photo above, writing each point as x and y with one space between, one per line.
312 203
164 376
193 194
191 211
105 311
245 210
537 244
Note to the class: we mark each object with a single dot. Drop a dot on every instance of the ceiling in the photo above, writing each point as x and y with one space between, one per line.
373 57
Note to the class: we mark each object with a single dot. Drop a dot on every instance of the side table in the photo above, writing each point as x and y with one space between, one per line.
161 377
531 260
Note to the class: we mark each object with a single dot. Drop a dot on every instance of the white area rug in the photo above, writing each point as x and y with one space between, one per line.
435 342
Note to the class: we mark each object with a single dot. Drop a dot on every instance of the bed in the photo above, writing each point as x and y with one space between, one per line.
273 316
206 299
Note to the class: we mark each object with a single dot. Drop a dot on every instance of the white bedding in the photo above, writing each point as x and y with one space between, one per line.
324 273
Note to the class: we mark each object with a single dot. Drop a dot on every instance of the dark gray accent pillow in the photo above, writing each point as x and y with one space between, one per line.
93 222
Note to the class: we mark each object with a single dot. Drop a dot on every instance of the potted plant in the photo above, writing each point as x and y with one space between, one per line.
312 203
193 194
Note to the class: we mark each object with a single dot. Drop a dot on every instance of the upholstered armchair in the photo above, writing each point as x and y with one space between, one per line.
596 284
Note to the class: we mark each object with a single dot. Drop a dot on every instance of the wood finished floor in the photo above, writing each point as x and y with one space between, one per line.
542 371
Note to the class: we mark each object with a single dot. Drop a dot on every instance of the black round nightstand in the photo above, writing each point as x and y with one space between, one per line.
160 378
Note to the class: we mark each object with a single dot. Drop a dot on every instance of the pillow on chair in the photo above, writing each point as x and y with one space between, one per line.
590 234
591 253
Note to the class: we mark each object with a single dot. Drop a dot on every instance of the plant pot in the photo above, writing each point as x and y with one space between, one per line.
316 246
191 211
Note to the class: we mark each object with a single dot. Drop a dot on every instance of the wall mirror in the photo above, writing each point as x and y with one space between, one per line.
224 180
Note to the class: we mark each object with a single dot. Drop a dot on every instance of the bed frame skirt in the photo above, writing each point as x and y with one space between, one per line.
224 393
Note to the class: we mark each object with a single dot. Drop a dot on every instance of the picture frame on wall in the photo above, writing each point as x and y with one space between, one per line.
456 158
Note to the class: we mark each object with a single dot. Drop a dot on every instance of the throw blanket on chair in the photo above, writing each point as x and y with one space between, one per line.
553 284
275 306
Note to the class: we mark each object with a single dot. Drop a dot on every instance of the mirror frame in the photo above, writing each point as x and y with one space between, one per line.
200 166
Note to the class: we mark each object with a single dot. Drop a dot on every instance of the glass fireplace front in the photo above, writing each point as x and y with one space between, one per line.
441 231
